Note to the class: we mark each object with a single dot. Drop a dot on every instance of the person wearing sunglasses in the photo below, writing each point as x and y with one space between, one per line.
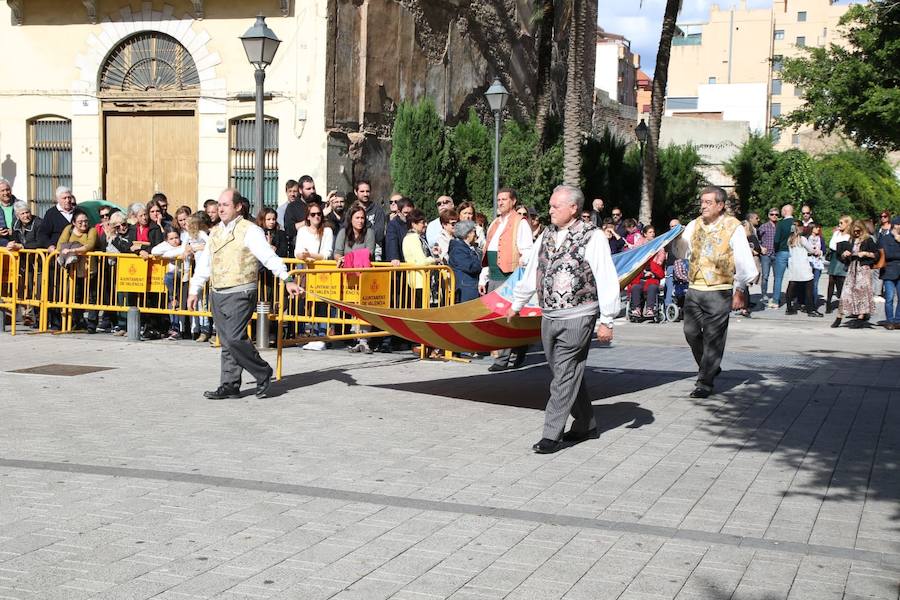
806 218
766 234
884 228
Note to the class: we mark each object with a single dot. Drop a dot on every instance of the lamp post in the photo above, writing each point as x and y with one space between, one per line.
260 44
641 132
496 96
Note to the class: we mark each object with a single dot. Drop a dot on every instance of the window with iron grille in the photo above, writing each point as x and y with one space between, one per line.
242 160
49 159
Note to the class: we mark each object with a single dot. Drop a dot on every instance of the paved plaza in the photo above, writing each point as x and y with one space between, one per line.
370 477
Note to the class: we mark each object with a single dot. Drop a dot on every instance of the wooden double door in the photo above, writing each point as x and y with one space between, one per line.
149 152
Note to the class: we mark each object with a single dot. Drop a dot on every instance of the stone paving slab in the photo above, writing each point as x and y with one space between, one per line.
384 477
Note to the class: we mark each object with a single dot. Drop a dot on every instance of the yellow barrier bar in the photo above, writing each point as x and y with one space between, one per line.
9 283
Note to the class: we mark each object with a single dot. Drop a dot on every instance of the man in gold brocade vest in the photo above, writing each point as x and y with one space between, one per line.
230 262
721 269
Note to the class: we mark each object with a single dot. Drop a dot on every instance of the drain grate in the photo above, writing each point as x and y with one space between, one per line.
61 370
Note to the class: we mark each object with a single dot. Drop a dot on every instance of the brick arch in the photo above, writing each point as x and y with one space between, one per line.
116 27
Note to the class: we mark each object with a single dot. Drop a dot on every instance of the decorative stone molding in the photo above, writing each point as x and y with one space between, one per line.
91 7
119 25
15 7
285 7
198 9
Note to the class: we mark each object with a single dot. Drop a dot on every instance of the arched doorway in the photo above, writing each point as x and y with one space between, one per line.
149 86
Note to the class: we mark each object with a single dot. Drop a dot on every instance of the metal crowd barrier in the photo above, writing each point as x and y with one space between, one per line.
100 282
405 286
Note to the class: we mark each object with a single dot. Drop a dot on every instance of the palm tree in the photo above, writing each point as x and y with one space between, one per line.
544 13
579 56
660 79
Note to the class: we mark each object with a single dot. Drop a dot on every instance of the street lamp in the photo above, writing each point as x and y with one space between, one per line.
641 132
260 44
496 96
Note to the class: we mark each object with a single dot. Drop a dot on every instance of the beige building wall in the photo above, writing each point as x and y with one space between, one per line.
53 54
737 45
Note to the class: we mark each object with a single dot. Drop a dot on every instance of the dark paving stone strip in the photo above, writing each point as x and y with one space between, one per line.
884 560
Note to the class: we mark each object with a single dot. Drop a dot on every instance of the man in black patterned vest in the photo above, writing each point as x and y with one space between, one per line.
572 272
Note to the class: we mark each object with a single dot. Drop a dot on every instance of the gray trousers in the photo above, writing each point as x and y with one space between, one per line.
232 313
566 344
705 329
503 356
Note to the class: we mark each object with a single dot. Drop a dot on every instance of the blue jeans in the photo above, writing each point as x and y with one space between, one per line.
817 273
670 285
767 263
892 300
781 265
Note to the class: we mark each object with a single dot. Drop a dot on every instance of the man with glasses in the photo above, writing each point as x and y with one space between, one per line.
766 234
783 231
618 223
806 218
720 261
433 231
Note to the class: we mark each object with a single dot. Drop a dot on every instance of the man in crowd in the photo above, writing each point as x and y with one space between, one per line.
25 237
231 262
334 211
597 212
616 241
7 212
163 202
766 234
295 213
374 214
572 272
782 252
720 260
507 246
292 192
56 218
433 231
671 257
618 222
806 216
397 229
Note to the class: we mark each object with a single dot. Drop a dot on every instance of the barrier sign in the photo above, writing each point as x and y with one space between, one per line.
131 275
326 285
157 276
375 289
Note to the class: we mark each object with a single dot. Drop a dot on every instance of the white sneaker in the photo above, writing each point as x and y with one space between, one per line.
314 346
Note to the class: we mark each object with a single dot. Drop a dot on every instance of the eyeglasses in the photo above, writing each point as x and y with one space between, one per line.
81 222
805 213
885 216
585 217
773 214
617 214
393 202
104 215
314 214
452 222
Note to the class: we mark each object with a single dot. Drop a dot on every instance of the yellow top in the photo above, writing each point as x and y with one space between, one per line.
232 263
712 258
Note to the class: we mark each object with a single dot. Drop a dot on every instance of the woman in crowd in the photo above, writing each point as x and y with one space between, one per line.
315 242
449 219
180 222
644 288
77 239
356 239
25 237
155 223
799 273
465 260
837 270
466 212
858 254
176 279
813 235
890 274
416 252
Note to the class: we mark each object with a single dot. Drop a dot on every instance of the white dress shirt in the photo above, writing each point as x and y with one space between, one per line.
744 265
254 241
598 257
524 242
307 240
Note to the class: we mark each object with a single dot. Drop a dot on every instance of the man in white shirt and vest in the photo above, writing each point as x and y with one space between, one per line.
230 261
508 243
720 261
572 272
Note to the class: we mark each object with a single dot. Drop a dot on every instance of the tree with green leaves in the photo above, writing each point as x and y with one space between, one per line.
856 183
752 168
472 149
678 183
420 158
532 173
853 89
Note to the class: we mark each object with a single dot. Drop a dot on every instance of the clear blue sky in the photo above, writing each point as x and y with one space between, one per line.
641 25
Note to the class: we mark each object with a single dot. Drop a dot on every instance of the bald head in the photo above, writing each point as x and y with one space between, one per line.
787 211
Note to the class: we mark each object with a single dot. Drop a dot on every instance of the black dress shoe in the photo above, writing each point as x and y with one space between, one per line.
576 437
814 313
836 324
222 392
495 368
701 393
262 387
547 446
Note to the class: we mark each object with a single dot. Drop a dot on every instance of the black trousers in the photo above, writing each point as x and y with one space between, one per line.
232 313
706 329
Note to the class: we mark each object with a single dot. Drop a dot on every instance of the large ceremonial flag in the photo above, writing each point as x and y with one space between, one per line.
480 325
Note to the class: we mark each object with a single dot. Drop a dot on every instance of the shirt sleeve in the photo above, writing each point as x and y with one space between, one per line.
202 270
526 286
255 242
524 239
745 266
327 243
607 279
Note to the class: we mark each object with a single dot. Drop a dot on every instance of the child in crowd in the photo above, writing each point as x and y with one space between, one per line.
172 250
194 238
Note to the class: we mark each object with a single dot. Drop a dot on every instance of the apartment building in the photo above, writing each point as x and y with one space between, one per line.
729 66
616 67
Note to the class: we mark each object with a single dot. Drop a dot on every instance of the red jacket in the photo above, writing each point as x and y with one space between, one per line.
657 274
